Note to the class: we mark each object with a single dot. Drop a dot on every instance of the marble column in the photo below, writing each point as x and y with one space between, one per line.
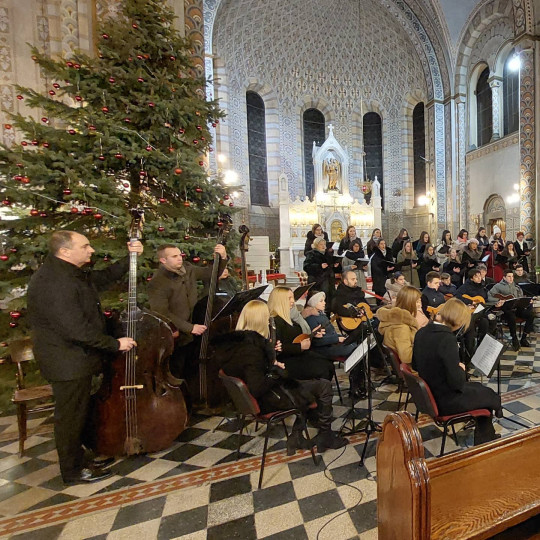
460 132
495 84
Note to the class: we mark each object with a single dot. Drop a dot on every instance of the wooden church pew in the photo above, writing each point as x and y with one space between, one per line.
474 493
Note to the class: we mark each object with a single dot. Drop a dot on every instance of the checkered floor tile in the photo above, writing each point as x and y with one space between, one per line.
197 489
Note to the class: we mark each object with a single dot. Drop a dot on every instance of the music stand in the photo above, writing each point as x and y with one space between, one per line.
300 291
238 301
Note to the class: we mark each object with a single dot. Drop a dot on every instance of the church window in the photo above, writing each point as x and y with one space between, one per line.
510 96
373 147
419 151
484 109
258 170
314 131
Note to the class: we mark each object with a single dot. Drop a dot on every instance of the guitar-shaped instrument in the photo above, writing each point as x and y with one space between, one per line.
352 323
434 310
223 231
299 338
244 248
475 299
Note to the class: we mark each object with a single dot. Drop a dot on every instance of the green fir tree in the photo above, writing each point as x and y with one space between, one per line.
129 127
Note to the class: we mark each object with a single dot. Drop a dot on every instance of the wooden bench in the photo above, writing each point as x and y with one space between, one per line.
474 493
276 278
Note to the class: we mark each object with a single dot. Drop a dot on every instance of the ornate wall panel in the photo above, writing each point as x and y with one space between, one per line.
7 77
70 27
194 24
527 144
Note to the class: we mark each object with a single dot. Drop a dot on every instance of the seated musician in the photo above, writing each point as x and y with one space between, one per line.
299 359
398 324
227 284
431 297
436 358
394 285
507 288
471 255
172 292
248 355
521 278
348 294
446 286
486 280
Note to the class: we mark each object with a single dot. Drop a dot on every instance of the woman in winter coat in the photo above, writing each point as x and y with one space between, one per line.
436 358
400 239
471 255
398 324
407 261
420 245
497 237
348 239
483 240
454 267
509 256
376 235
316 232
382 266
444 246
320 268
351 261
429 264
394 284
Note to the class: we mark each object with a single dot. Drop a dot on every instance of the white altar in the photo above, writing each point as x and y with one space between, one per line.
333 206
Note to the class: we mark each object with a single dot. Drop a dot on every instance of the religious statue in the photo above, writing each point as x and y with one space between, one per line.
332 171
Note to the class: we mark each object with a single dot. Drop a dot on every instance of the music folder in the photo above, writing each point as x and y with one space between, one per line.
486 258
487 355
300 291
359 353
238 301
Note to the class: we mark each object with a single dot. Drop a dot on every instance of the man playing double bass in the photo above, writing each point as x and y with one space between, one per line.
172 292
70 340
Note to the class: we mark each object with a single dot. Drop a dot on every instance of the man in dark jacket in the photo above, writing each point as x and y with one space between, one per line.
431 297
70 340
348 292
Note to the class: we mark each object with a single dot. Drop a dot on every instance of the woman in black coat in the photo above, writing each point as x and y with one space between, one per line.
316 232
522 250
346 241
376 235
397 246
436 358
454 267
429 264
301 362
320 269
381 267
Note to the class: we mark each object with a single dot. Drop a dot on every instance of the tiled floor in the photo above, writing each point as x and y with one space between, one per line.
196 489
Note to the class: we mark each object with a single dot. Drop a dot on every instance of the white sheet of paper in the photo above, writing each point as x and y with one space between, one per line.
479 308
486 355
359 353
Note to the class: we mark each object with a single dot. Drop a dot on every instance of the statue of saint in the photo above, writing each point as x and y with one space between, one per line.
332 171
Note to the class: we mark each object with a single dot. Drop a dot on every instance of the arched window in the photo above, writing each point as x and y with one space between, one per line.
510 96
258 171
373 147
314 131
419 151
484 109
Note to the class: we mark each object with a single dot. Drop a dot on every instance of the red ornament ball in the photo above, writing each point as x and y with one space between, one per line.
118 155
105 36
199 128
43 214
149 148
4 257
195 141
52 93
101 158
98 216
226 197
151 105
126 185
186 203
91 128
25 180
8 126
196 259
135 25
6 202
35 143
186 237
20 165
67 191
127 120
77 66
18 177
34 212
107 313
203 139
142 174
11 324
140 79
15 314
105 109
220 202
178 171
78 98
198 190
149 278
13 250
24 143
46 145
162 200
44 119
140 56
112 80
197 113
106 258
69 64
71 132
74 210
173 58
214 124
19 97
231 204
201 163
181 131
88 211
56 85
161 228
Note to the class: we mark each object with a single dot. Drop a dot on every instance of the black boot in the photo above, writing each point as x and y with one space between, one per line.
297 441
329 440
524 341
515 343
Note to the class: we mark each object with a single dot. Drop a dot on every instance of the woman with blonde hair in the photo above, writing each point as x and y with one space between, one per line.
248 355
398 324
407 261
436 358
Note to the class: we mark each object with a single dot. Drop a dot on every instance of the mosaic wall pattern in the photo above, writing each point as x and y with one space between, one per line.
7 76
255 43
194 24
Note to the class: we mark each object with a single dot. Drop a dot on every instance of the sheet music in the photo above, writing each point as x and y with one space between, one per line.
479 309
359 353
487 355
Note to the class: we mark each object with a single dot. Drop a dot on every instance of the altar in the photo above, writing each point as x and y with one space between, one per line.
332 205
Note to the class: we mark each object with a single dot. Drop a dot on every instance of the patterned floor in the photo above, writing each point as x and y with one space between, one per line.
197 490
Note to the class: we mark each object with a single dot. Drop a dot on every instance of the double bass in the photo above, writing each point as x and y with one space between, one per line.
244 248
140 406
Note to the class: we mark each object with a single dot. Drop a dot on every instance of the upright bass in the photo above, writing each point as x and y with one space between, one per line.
140 406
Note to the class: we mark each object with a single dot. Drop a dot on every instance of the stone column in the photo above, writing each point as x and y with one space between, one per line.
495 84
527 138
462 191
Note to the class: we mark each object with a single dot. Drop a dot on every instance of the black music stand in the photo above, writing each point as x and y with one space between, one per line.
238 301
300 291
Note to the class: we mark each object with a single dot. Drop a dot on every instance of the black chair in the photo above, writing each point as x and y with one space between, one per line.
395 363
248 410
425 403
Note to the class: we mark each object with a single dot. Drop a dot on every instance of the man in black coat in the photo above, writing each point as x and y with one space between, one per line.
431 297
348 292
70 340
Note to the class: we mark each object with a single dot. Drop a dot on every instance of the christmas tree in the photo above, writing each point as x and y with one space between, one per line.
128 127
